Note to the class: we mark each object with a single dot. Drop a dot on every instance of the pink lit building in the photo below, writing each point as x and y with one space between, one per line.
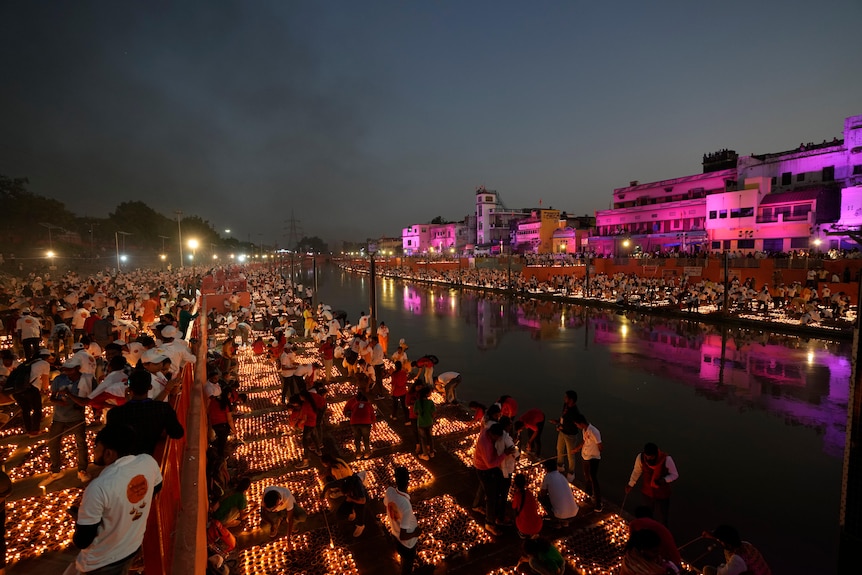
799 199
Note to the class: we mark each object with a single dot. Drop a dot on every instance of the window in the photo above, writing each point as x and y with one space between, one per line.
828 173
409 242
774 180
782 211
803 210
786 178
857 169
722 214
746 212
489 198
800 177
773 245
725 244
715 245
745 244
799 243
713 214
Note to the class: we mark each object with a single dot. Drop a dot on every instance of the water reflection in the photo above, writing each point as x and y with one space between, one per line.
804 381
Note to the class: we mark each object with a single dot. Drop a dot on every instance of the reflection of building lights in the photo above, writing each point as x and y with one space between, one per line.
810 357
624 330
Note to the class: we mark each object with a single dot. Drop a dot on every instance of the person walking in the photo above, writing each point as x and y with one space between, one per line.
658 471
402 522
591 454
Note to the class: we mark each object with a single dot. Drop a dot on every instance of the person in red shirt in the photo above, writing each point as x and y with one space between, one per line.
399 391
258 347
526 507
508 407
327 354
643 520
362 417
529 430
89 323
306 421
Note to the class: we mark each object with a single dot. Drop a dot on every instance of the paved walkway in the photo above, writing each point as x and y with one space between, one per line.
442 491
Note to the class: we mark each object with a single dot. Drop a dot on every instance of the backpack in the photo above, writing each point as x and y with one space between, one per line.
19 379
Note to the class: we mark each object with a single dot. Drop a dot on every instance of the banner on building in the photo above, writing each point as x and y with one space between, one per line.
692 271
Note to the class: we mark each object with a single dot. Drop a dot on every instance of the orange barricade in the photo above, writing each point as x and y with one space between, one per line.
158 545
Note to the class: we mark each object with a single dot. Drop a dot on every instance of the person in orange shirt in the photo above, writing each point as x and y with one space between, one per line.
149 309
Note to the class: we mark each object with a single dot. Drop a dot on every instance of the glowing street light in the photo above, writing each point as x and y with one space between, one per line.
193 245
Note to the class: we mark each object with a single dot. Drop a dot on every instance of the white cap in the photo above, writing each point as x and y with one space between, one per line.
155 355
170 331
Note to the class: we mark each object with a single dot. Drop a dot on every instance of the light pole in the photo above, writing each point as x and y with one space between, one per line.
180 235
50 238
92 242
117 235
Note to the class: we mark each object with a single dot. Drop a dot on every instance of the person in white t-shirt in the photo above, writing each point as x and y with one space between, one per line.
279 506
591 452
30 400
112 518
402 521
556 494
29 330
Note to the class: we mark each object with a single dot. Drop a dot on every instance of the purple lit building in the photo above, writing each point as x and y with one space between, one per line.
799 199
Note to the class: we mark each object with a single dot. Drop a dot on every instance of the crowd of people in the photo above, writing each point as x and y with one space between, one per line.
123 371
812 303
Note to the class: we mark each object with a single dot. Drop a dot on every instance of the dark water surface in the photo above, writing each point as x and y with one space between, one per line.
758 438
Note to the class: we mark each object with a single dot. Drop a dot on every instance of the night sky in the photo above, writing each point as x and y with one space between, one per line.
364 117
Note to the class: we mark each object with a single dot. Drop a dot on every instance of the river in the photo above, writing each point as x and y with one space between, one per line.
758 438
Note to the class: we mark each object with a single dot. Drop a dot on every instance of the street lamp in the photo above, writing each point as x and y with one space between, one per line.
193 245
117 235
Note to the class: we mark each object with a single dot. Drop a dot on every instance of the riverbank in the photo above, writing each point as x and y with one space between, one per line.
772 320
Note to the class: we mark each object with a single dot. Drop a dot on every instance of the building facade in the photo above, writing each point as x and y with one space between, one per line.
809 197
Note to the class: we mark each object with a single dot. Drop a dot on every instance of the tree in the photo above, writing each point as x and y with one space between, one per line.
438 220
312 244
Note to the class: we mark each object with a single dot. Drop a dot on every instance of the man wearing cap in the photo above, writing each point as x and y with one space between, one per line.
150 419
158 365
176 349
29 331
30 400
112 518
69 417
